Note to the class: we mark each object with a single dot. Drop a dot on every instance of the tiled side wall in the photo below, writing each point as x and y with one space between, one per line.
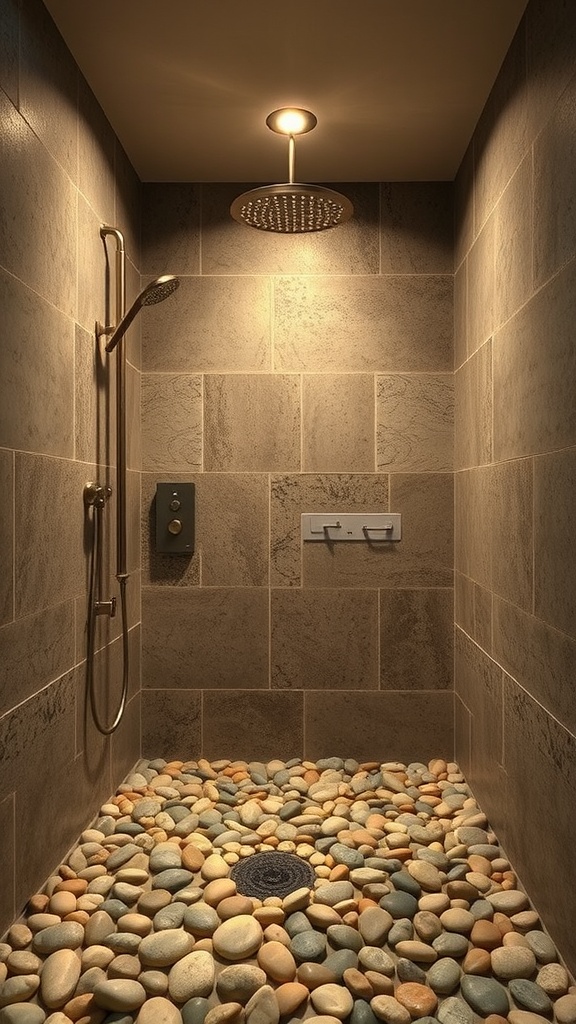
515 428
291 375
62 173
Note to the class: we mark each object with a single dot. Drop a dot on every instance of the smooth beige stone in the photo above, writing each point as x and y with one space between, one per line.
192 976
290 996
417 952
219 889
486 935
262 1007
426 874
565 1009
62 903
238 938
388 1009
214 867
136 924
434 902
18 989
119 995
513 962
164 948
158 1010
334 1000
277 961
322 916
458 920
59 977
22 961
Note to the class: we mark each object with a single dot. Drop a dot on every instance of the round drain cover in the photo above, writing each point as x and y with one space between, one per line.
271 874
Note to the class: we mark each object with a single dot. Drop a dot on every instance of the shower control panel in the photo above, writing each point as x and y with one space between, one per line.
175 518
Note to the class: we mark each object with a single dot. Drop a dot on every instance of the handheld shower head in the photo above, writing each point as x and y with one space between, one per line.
155 291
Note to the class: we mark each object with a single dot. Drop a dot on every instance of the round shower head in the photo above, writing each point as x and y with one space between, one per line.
155 291
159 290
291 208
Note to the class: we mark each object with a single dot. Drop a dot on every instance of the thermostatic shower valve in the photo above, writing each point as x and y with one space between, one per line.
175 518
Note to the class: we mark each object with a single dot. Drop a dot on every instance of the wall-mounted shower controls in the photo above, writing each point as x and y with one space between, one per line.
373 527
175 518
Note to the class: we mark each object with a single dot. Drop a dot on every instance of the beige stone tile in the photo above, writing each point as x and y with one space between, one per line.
50 563
252 724
464 206
35 650
133 520
48 82
513 244
511 531
212 638
96 152
473 528
462 729
554 217
8 909
128 203
461 314
108 675
473 410
378 725
324 639
171 228
251 423
483 600
293 494
163 569
38 230
171 422
416 639
464 604
478 684
540 658
363 323
554 541
24 729
540 756
133 399
231 248
6 536
550 41
172 724
424 556
232 529
37 368
126 742
338 423
533 366
415 423
416 227
481 287
502 133
92 274
211 324
9 46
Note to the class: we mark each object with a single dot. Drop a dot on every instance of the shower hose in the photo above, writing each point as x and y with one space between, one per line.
95 606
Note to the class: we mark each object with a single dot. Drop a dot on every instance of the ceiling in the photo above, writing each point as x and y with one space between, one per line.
397 85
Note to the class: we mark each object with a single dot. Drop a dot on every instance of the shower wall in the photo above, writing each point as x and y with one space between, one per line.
515 359
62 173
290 375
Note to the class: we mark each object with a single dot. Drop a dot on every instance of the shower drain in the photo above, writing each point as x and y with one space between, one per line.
272 874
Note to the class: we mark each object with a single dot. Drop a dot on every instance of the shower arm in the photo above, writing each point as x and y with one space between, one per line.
120 289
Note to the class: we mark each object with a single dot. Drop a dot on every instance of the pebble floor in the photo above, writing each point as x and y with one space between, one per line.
411 913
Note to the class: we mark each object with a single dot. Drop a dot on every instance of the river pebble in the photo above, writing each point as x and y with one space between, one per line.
413 913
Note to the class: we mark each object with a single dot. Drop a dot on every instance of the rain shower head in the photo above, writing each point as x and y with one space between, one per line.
291 208
155 291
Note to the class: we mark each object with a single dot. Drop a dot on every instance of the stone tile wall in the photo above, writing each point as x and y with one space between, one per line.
292 375
515 460
62 173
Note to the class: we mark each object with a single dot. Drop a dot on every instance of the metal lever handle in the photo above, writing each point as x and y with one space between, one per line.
332 526
374 529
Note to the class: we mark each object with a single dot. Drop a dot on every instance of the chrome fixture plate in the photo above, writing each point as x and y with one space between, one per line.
373 527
